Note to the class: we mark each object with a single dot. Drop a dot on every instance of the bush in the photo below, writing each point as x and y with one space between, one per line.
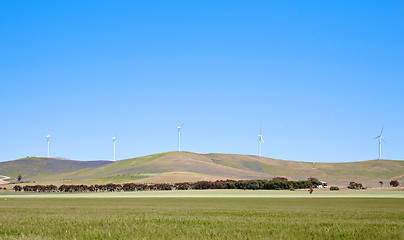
394 183
334 188
230 185
355 185
251 184
279 179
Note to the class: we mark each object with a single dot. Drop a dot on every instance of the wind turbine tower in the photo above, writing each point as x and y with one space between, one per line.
260 140
114 142
314 169
47 148
380 138
179 136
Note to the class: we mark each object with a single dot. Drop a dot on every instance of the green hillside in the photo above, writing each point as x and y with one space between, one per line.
186 166
38 167
368 172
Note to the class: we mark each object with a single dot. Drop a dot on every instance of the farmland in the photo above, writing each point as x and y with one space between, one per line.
212 214
374 213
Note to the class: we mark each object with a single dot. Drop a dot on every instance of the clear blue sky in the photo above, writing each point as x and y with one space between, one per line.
321 77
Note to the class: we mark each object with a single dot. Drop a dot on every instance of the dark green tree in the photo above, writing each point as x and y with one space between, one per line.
394 183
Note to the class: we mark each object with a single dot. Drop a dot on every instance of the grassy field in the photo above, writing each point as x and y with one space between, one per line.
228 193
249 215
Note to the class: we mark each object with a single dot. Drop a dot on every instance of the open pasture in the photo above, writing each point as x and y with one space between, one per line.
114 216
222 193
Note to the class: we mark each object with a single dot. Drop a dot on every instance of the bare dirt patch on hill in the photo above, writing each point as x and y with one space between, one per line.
179 177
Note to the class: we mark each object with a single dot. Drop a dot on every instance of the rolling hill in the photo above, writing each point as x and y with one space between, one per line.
37 167
187 166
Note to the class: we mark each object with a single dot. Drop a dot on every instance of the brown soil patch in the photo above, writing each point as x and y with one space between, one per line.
180 177
3 182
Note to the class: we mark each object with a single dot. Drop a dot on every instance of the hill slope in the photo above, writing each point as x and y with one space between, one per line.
37 167
368 172
186 166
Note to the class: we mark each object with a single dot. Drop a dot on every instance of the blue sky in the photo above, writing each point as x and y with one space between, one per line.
321 78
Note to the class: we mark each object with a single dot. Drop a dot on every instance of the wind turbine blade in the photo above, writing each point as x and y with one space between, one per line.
383 140
381 130
262 140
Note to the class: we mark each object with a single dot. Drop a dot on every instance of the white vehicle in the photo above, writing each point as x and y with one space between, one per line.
323 185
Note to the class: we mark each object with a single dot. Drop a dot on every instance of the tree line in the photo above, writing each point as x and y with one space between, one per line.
274 184
355 185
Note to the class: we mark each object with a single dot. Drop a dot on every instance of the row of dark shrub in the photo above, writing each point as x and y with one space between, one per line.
355 185
275 184
358 186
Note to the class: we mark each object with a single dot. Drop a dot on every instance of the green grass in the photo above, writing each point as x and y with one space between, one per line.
223 193
201 218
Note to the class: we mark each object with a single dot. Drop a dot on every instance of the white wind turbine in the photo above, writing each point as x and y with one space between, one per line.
260 139
114 142
179 135
47 148
380 138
